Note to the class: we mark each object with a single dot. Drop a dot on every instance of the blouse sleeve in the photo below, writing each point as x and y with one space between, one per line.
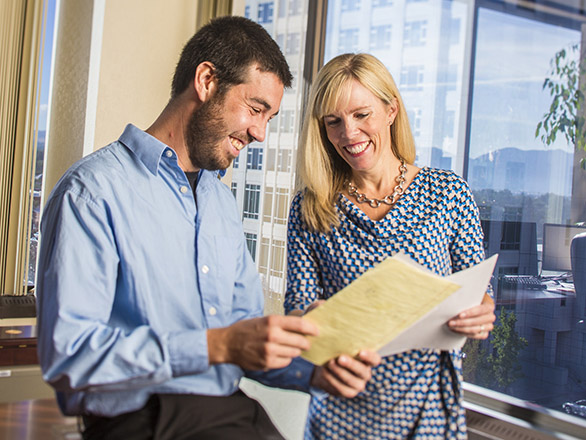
466 248
304 285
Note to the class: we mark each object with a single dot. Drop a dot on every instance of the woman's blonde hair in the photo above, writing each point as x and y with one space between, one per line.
320 169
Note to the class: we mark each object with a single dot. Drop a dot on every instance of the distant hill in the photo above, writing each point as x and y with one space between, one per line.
528 171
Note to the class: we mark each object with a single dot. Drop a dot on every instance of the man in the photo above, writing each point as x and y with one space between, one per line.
150 308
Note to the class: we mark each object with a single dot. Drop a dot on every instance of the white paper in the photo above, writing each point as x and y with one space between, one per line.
431 331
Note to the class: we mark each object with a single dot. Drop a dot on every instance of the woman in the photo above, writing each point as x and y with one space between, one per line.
362 200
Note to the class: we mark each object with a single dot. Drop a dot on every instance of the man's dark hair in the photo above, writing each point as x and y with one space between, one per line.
232 45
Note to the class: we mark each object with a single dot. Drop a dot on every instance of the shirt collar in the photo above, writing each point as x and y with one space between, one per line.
149 149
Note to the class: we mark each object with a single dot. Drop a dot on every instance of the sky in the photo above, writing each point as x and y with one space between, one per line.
47 56
513 58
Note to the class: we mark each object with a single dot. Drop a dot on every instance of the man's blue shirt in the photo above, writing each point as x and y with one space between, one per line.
132 272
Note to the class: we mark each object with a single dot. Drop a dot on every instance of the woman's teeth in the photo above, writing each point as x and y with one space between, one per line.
357 148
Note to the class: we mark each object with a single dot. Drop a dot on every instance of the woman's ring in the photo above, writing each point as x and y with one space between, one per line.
482 328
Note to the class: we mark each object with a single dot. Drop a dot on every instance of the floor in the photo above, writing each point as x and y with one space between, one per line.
36 420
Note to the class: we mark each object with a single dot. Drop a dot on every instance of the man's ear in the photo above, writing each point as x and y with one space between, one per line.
205 81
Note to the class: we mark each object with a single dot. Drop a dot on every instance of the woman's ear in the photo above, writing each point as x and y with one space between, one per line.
205 81
393 110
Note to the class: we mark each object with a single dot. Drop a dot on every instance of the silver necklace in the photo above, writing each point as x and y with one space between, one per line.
389 200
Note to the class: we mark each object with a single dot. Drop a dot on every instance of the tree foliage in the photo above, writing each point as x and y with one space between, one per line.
495 367
507 344
566 111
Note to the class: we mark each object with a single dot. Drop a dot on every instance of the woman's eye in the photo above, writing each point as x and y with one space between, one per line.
331 122
361 115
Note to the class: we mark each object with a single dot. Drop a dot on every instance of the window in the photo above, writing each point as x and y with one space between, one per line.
415 33
263 259
251 244
287 121
380 37
350 5
293 43
277 266
254 158
265 13
251 200
284 161
26 59
348 40
382 3
493 135
412 78
295 7
267 214
236 162
234 189
274 124
282 206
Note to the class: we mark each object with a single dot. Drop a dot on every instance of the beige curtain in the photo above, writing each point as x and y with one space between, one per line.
211 9
20 42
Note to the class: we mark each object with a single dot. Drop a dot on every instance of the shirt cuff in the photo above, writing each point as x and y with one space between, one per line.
295 376
188 352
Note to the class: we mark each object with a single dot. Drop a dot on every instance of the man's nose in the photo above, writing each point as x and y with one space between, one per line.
258 131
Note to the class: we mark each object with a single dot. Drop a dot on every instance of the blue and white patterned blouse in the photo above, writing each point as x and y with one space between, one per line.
415 394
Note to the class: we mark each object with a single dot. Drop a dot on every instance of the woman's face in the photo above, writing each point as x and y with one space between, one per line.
359 129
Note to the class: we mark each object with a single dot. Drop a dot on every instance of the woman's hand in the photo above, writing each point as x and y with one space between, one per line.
313 305
476 322
345 376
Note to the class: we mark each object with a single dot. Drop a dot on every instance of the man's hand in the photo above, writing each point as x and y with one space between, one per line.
346 376
476 322
260 343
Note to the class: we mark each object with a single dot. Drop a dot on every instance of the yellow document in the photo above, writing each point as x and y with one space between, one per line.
375 308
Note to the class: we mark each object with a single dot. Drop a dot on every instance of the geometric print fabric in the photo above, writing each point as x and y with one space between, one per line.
415 394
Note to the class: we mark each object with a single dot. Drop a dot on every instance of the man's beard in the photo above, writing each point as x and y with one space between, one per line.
206 130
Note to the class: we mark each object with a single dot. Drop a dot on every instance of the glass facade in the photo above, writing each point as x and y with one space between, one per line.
270 165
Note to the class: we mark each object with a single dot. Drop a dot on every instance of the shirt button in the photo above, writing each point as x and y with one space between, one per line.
183 189
236 382
169 153
213 311
298 374
205 269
